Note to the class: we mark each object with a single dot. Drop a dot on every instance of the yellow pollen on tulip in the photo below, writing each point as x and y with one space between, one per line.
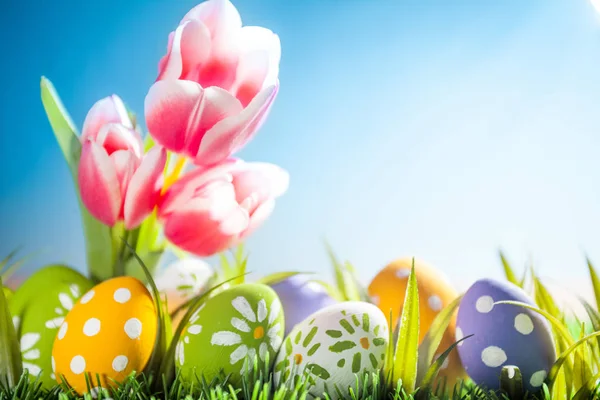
171 179
259 332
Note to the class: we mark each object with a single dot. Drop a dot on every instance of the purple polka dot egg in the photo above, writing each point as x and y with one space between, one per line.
300 297
503 335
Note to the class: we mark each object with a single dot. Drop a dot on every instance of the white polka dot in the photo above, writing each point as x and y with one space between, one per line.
122 295
91 327
77 365
445 363
403 273
484 304
53 364
493 356
375 300
435 303
62 331
87 297
133 328
120 363
538 378
523 324
459 335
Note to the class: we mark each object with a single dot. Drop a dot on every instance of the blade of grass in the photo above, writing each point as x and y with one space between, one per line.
434 336
160 343
508 271
406 355
595 282
435 368
10 353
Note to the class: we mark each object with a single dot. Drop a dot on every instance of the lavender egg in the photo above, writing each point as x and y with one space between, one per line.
300 297
503 335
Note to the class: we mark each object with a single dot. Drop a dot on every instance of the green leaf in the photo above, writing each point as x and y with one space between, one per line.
345 279
277 277
160 343
97 236
508 271
434 369
406 355
595 283
511 382
433 338
330 289
564 357
582 372
10 353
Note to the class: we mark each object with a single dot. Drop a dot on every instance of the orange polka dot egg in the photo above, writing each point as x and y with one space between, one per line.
387 291
109 332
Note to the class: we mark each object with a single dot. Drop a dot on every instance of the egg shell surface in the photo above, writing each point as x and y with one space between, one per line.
39 307
233 326
300 297
110 331
388 289
334 344
503 335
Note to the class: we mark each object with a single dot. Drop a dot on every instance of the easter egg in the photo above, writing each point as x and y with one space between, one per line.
110 332
332 346
228 331
300 297
181 281
39 307
387 291
503 334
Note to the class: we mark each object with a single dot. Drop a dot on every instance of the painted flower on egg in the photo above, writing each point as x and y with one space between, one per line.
30 354
229 331
251 325
192 329
354 338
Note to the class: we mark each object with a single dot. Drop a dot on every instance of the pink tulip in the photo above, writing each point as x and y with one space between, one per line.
215 86
211 209
116 180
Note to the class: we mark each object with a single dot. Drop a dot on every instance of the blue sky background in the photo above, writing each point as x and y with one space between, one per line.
441 129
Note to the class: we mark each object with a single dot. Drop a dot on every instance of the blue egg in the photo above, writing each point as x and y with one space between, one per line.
300 297
503 335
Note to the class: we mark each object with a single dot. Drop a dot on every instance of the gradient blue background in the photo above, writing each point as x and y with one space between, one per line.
441 129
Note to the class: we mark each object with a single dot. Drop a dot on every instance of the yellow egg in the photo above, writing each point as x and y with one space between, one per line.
388 288
109 332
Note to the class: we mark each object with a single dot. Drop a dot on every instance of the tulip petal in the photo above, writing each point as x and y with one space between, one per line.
114 137
258 66
258 217
277 178
169 106
182 191
188 48
125 163
208 224
108 110
233 133
144 190
217 104
99 184
219 16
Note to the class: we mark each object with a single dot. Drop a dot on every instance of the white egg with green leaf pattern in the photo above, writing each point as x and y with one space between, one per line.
333 347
